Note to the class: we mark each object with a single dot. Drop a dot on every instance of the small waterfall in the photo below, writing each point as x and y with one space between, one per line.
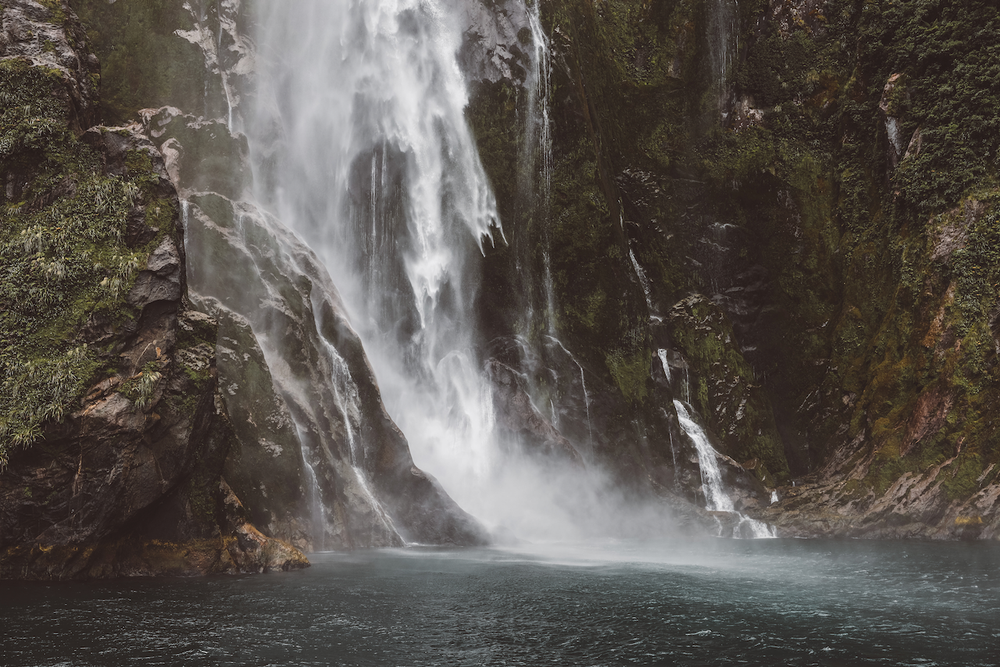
317 512
723 47
662 354
716 498
538 147
345 395
643 281
583 385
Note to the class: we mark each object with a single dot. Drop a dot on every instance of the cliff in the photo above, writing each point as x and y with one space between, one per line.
112 434
783 213
806 194
320 462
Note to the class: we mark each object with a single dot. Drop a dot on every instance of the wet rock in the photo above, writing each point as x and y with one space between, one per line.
523 422
723 386
49 35
891 107
128 483
496 41
265 470
161 281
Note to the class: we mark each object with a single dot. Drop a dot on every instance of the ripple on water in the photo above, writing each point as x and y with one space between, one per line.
784 602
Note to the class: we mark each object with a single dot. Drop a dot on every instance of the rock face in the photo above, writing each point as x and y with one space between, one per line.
114 436
823 267
496 40
761 209
48 35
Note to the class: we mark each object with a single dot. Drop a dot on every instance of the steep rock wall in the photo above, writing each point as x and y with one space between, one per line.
776 157
112 438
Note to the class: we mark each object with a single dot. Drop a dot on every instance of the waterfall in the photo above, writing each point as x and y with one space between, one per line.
583 386
317 512
360 145
723 46
662 354
538 140
716 497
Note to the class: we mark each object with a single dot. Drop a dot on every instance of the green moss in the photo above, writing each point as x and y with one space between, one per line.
144 62
57 13
631 374
961 479
726 392
140 388
63 256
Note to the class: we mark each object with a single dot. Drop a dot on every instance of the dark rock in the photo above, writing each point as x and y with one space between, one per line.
50 35
522 421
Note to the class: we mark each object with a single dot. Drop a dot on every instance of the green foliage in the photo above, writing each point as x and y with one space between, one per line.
63 255
39 390
57 12
977 270
961 479
631 374
726 391
140 388
951 58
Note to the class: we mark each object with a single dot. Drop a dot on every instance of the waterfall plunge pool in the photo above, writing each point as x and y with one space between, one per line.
705 602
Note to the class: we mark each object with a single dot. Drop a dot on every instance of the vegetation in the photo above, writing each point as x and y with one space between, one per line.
63 254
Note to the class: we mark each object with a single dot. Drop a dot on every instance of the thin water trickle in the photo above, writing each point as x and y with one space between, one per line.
662 354
538 139
583 385
723 49
716 497
317 511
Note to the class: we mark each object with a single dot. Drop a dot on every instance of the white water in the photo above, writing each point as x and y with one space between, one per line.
317 512
716 497
723 47
583 385
360 145
662 354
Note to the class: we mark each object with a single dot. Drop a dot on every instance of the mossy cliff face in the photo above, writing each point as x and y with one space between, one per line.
884 111
796 201
592 258
112 439
159 52
823 173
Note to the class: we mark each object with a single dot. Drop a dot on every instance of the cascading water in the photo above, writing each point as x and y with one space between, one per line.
360 145
722 35
716 498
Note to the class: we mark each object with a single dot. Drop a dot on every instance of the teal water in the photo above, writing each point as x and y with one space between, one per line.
714 602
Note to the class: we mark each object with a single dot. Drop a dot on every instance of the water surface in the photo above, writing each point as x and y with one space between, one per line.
712 602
